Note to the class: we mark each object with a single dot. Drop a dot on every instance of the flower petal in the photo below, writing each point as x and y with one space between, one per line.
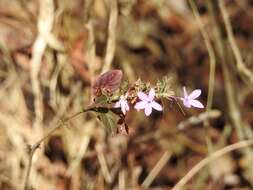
127 106
186 103
196 103
148 109
151 94
123 106
142 96
185 92
123 110
117 104
194 94
156 106
140 105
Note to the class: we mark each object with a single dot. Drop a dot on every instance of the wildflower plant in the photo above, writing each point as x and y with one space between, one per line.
114 98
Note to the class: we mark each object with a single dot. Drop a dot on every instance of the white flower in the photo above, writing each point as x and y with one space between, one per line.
123 104
189 100
147 102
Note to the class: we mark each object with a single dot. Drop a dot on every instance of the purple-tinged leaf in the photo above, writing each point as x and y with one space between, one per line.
108 82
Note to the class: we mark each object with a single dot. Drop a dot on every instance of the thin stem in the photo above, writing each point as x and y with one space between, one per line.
211 71
157 168
233 109
33 148
206 161
241 67
210 53
29 168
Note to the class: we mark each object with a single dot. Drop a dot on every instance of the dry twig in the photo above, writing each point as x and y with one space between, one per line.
111 42
211 71
210 53
194 120
45 24
91 52
209 159
233 109
241 67
157 168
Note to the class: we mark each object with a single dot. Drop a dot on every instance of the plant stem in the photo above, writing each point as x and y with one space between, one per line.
33 148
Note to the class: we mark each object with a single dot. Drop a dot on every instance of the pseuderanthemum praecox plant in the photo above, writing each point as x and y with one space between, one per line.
114 98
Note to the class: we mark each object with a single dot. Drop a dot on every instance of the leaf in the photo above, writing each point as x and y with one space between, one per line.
108 82
109 120
101 100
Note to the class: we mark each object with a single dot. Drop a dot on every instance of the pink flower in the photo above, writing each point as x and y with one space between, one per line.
189 100
147 102
123 104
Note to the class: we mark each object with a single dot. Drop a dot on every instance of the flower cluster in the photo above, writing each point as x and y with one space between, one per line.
148 103
111 88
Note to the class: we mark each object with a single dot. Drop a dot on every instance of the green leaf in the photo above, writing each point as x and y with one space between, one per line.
101 101
109 120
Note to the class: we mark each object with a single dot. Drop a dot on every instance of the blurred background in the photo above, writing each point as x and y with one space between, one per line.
51 51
